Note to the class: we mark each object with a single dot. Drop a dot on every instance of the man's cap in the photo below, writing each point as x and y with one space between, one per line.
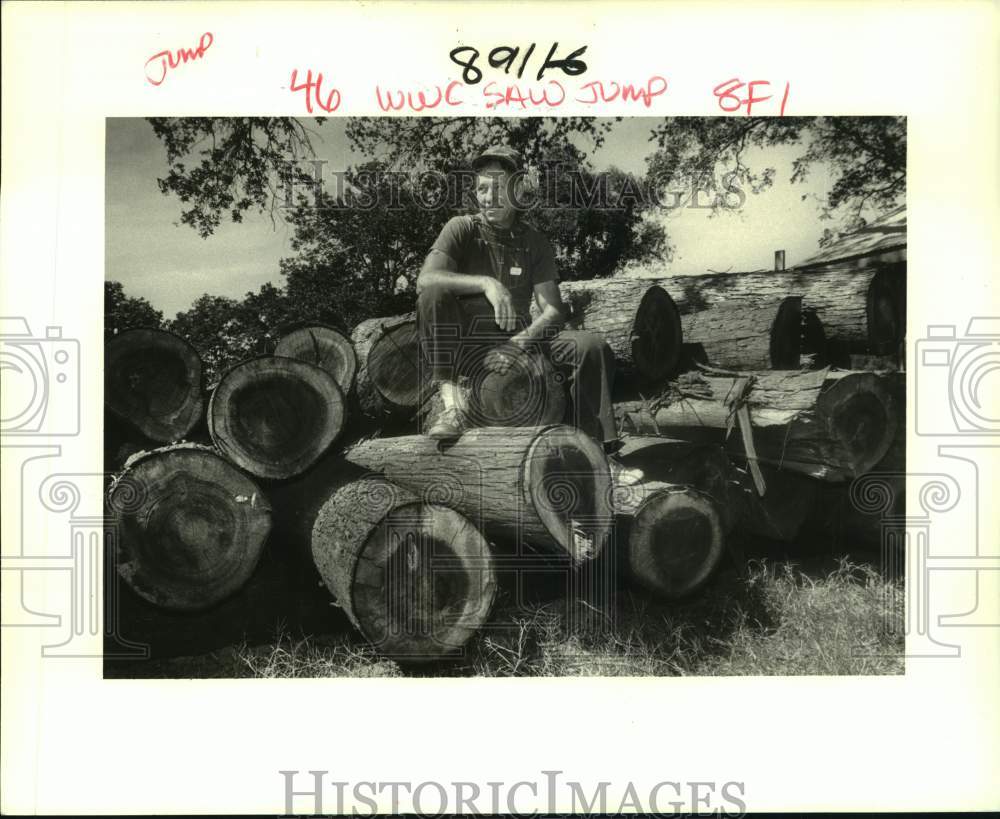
502 154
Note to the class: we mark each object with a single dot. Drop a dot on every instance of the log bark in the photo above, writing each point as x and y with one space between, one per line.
416 579
275 416
828 426
324 347
747 335
705 467
152 380
190 527
637 319
675 537
862 310
549 487
392 378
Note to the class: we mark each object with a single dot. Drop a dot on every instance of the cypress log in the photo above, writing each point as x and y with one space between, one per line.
637 319
529 394
675 537
190 527
549 487
705 467
152 380
746 335
416 579
326 348
862 309
828 426
274 416
392 377
781 511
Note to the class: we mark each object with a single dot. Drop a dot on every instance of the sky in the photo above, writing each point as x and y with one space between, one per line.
159 259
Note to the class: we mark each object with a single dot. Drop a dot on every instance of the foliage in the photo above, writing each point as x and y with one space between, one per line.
865 157
226 331
242 159
123 312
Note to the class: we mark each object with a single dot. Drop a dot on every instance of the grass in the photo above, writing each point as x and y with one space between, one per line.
772 618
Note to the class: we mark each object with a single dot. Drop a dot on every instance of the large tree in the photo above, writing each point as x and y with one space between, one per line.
122 312
865 158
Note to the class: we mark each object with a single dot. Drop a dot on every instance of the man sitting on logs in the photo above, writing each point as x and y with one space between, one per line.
474 294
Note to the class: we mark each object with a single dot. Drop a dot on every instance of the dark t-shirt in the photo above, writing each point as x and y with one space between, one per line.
518 258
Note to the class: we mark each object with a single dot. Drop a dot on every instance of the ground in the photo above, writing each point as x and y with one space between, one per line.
770 611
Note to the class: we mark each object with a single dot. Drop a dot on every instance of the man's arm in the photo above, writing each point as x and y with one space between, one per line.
441 270
552 313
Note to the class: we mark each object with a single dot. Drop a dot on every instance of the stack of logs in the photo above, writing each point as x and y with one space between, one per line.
729 405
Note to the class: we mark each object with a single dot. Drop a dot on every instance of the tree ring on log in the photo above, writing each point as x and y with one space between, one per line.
531 393
568 482
275 416
415 578
656 335
325 347
152 380
676 542
191 527
395 365
858 411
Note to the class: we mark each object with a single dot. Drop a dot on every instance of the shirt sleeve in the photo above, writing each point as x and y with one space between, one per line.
543 261
453 240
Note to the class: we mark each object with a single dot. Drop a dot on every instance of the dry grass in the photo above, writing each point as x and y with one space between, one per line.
771 619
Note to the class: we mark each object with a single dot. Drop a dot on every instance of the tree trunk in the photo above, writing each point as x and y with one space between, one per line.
782 510
152 380
675 537
637 319
392 378
529 394
274 416
191 527
325 348
828 426
705 467
416 579
862 310
549 487
744 335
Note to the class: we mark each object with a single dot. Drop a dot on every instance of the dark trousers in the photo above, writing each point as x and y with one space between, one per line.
456 332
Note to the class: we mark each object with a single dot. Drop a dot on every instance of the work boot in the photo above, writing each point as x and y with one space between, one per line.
449 426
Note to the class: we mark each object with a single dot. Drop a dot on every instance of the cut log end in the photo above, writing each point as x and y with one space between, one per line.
415 578
656 335
396 367
859 412
323 347
191 527
676 540
153 381
275 416
568 482
531 393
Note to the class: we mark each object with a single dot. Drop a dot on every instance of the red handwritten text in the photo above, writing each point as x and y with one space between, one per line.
599 92
160 64
314 92
549 95
419 101
730 100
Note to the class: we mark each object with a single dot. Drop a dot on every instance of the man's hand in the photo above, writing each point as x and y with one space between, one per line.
501 359
503 305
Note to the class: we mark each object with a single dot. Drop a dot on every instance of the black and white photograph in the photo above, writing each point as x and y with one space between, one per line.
505 396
